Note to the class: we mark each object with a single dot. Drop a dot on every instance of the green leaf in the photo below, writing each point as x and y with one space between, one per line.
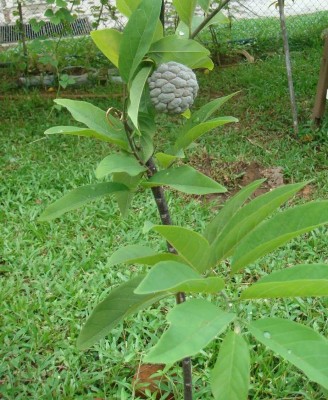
78 197
165 160
124 199
76 131
278 230
296 343
301 280
185 10
190 245
184 51
230 375
206 111
230 208
194 324
218 19
126 7
174 277
119 162
197 131
138 36
185 179
120 303
147 146
137 254
249 217
108 42
137 87
95 119
205 4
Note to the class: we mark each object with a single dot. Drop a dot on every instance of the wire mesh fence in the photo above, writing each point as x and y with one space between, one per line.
100 13
30 19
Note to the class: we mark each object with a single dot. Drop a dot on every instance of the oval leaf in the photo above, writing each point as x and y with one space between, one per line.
136 90
174 277
199 130
119 163
249 217
120 303
76 131
108 42
296 343
93 117
229 209
278 230
185 51
126 7
301 280
231 374
193 325
79 197
185 10
185 179
137 254
190 245
138 36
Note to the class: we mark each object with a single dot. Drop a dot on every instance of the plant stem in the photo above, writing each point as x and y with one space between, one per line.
208 18
162 206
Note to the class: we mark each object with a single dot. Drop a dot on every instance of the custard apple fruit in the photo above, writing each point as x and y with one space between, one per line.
173 88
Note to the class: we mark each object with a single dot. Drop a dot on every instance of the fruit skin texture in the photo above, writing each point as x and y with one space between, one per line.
173 88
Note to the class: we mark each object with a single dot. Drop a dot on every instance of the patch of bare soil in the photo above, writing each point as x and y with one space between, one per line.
147 378
236 175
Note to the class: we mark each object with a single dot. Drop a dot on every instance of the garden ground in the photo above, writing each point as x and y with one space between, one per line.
53 274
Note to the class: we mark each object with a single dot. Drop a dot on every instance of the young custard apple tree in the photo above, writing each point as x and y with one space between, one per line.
173 88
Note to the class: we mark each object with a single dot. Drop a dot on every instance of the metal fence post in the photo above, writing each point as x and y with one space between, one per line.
320 99
22 32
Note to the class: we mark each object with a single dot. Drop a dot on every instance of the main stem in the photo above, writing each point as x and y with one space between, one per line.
162 206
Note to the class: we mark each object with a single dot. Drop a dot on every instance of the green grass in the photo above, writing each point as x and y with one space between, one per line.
53 274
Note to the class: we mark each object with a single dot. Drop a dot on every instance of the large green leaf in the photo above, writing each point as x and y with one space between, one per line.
229 209
137 87
193 325
108 42
296 343
120 303
205 4
197 131
137 254
138 36
204 113
301 280
185 10
230 375
126 7
119 162
184 51
190 245
165 160
78 197
174 277
76 131
278 230
248 218
185 179
92 116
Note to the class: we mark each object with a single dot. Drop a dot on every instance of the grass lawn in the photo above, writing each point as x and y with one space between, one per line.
53 274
